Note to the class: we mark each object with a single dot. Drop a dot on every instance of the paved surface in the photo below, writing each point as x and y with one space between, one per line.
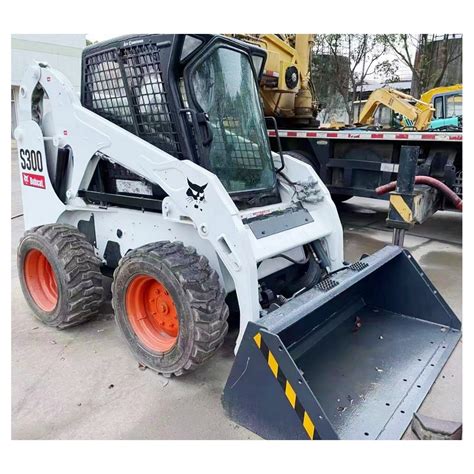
82 383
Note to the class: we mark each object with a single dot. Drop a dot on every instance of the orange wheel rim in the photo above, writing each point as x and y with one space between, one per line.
152 313
41 280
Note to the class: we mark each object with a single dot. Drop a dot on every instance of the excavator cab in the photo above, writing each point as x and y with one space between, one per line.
448 108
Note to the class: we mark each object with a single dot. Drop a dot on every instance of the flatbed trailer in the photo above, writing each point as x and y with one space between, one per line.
355 162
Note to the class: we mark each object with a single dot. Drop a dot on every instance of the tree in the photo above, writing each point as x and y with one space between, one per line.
387 71
349 59
427 57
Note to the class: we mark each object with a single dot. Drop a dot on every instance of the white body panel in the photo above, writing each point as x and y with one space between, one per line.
216 229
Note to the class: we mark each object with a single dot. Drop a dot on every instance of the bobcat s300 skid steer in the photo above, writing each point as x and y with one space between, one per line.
162 174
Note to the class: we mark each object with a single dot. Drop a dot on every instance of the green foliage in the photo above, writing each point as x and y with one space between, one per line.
340 65
388 69
427 56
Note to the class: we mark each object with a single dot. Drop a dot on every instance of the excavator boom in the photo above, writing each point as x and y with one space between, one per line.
286 87
400 103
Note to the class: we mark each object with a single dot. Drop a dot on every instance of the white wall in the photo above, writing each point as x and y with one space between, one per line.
62 52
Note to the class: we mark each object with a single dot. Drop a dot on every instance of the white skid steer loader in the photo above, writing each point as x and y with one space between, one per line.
162 174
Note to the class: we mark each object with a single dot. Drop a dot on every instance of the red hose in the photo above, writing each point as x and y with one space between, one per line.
429 181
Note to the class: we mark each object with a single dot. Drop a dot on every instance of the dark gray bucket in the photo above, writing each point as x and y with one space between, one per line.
350 359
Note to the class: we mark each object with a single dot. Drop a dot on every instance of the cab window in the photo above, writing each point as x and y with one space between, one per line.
438 106
454 106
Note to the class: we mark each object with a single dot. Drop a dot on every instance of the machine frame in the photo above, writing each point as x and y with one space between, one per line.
217 229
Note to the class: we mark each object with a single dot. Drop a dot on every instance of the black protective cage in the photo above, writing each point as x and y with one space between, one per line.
136 82
127 81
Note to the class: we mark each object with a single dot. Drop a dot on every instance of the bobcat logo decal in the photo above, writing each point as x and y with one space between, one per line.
196 194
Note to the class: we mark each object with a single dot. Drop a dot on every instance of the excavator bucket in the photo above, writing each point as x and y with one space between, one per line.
352 358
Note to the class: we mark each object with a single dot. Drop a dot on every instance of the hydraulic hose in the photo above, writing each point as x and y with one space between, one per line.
429 181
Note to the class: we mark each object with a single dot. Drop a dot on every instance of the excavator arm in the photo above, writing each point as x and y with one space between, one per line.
400 103
286 88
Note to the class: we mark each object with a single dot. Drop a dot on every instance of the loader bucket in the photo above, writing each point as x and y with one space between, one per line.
352 358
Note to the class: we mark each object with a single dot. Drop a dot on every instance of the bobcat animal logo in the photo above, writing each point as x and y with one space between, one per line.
196 194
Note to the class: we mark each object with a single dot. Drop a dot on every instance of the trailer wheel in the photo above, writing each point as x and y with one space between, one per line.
305 157
59 275
169 306
340 198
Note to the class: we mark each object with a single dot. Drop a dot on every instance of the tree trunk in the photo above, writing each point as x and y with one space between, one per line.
417 70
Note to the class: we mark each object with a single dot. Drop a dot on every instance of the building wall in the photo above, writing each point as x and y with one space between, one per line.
434 53
453 74
63 52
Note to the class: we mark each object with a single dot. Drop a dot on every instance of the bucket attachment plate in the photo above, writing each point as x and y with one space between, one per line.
352 360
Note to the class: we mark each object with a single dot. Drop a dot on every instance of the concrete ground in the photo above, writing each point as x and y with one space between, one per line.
82 383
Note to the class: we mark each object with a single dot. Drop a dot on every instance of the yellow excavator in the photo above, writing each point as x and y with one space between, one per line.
288 93
285 86
401 103
446 101
438 107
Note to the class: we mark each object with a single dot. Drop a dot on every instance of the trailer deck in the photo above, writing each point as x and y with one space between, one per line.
354 162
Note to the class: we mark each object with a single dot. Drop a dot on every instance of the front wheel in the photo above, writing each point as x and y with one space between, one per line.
169 306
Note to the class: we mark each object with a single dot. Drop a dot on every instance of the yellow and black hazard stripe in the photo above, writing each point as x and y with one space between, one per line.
285 384
403 208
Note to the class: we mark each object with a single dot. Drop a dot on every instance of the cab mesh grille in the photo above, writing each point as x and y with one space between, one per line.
125 85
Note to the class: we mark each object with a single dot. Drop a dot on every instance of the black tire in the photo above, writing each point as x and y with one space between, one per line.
198 305
340 198
70 259
305 157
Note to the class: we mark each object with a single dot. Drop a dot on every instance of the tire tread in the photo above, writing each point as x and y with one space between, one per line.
205 295
84 290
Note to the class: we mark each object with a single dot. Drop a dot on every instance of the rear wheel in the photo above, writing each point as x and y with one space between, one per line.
59 275
340 198
305 157
169 306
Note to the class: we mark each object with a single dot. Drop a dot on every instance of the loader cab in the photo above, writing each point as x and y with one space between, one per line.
220 82
193 96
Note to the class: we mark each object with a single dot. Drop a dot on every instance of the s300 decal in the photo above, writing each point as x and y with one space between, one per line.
31 160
